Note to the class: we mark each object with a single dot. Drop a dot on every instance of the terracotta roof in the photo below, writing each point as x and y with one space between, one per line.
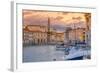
34 28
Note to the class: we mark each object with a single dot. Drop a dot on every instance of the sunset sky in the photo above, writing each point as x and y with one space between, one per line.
58 20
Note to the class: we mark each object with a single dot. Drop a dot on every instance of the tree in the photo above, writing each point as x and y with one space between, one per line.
88 24
88 20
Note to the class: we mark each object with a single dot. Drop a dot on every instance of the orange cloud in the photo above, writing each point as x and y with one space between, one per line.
60 18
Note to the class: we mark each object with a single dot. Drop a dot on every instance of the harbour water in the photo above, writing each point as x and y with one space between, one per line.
41 53
49 53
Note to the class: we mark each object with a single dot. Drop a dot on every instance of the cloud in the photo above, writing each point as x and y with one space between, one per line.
58 20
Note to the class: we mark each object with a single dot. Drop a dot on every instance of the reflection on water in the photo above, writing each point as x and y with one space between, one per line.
41 53
52 53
